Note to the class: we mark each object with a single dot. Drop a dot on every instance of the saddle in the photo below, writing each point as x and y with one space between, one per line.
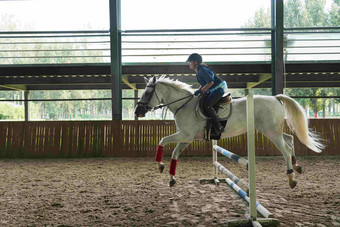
226 99
223 110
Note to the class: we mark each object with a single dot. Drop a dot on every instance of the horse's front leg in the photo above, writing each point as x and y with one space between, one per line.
173 163
174 138
178 137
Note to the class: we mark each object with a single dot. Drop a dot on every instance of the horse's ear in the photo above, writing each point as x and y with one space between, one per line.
154 79
146 80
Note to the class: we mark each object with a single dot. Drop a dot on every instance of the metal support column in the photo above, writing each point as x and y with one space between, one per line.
277 46
116 59
26 105
246 92
136 100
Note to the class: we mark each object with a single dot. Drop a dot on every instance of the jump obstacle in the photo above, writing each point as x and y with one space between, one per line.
234 182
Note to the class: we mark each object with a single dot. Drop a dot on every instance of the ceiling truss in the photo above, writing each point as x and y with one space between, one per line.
97 76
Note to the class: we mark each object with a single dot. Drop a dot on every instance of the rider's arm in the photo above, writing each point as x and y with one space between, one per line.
207 86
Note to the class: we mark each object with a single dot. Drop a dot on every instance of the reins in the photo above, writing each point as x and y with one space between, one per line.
164 112
164 105
191 96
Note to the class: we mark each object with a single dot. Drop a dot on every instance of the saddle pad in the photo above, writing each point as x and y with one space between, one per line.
223 112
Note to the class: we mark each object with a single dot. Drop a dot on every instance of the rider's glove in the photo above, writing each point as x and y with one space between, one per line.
197 92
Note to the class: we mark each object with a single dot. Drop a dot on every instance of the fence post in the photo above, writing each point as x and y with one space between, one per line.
251 156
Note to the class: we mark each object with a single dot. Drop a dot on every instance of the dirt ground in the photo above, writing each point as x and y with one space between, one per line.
130 192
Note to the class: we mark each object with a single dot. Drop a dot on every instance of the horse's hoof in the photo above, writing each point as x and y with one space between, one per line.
172 182
298 169
292 184
161 167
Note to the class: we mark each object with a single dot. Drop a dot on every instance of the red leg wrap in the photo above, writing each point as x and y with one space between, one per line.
173 164
159 153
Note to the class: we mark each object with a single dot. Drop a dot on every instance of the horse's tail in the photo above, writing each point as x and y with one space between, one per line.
298 123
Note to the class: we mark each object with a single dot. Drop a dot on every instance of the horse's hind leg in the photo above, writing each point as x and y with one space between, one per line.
289 139
280 143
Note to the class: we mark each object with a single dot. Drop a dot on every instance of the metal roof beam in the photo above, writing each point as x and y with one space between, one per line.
16 87
125 80
263 77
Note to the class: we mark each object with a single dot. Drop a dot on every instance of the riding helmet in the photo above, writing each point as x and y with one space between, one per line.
195 57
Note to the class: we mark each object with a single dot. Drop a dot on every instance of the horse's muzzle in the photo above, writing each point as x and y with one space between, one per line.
141 110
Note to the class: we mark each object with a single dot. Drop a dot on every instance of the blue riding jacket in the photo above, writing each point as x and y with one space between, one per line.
205 75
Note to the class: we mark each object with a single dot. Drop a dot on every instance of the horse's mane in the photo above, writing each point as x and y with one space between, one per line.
175 84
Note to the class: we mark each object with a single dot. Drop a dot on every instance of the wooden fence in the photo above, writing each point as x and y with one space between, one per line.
67 139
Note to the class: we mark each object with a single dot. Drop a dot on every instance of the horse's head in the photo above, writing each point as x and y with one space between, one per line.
144 104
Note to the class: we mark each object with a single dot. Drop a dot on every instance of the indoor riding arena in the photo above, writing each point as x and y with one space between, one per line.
90 110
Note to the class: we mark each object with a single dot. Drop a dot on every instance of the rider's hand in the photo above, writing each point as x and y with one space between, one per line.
197 92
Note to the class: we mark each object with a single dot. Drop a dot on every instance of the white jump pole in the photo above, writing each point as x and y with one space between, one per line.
251 157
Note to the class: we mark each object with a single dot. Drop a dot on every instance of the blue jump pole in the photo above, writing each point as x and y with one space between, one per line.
231 155
262 210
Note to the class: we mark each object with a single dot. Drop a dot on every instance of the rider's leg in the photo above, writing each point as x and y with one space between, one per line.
211 99
212 113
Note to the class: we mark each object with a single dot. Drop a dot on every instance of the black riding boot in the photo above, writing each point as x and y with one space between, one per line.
212 113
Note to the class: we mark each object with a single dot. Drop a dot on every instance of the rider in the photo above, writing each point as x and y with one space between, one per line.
211 85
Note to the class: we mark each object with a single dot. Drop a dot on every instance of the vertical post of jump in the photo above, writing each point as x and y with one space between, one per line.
251 156
215 170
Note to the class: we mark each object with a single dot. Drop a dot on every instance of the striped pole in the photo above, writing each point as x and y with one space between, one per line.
231 155
230 175
265 213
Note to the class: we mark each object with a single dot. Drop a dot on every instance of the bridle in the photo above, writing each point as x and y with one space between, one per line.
145 103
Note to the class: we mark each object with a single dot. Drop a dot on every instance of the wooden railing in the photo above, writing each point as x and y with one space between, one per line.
68 139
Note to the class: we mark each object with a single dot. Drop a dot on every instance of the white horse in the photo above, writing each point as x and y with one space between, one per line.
269 114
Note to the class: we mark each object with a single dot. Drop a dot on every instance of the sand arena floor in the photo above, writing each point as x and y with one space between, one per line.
130 192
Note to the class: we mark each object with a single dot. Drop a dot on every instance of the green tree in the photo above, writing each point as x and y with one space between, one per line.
261 19
323 102
334 14
11 111
8 22
295 14
316 11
